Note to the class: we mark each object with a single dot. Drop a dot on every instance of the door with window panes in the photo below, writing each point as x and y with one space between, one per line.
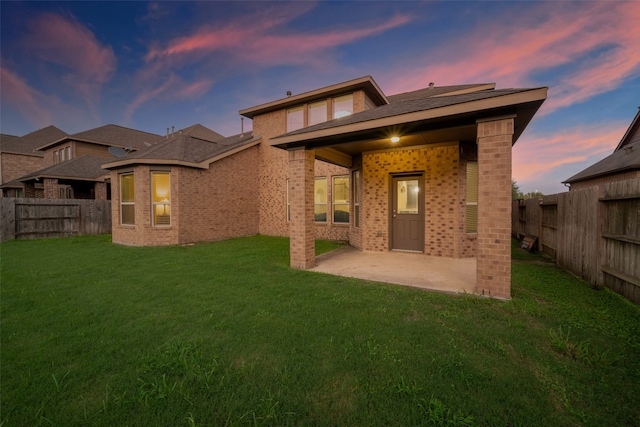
407 213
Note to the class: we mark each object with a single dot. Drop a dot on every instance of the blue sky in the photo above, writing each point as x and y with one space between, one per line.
153 65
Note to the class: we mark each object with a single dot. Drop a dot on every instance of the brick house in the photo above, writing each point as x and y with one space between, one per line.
427 171
20 156
72 163
621 165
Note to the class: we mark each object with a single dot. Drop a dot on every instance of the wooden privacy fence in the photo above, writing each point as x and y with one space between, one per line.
42 218
593 234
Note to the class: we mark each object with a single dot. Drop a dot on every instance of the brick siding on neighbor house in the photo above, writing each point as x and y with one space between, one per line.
15 166
206 204
493 274
440 167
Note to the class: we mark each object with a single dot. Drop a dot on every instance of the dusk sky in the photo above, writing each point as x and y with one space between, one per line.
153 65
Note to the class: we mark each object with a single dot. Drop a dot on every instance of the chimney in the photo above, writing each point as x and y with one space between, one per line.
167 133
241 127
172 130
431 85
288 93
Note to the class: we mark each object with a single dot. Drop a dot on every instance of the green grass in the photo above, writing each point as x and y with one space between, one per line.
95 334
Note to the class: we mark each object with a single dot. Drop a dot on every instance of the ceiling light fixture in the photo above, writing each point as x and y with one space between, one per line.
395 138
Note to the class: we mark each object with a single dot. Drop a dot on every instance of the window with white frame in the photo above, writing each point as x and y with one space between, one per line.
127 204
56 157
161 198
356 199
68 152
295 118
340 195
472 197
320 199
342 106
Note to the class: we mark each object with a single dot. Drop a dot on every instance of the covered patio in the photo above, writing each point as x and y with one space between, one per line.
448 275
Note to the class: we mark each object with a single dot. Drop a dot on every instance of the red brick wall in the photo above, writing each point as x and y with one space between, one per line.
441 166
206 204
15 166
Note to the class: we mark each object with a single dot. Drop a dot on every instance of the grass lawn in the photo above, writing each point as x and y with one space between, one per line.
95 334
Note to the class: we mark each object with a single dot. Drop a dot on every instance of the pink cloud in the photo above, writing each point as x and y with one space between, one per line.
39 109
28 101
536 155
63 41
601 41
171 89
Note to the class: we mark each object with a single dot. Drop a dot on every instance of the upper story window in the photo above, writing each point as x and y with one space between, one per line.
318 112
342 106
295 118
62 155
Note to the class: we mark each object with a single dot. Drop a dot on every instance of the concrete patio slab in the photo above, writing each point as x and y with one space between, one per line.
402 268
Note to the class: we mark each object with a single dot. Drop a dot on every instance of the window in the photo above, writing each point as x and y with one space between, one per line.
341 199
69 153
127 206
317 112
62 155
342 106
161 198
288 204
320 199
295 118
472 197
356 199
56 157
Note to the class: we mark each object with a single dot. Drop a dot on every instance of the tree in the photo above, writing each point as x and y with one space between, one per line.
515 190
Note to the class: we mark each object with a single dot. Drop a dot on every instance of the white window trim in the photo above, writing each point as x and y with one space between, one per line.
122 203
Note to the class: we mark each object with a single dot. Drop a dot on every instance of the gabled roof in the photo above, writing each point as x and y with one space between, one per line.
632 134
111 135
83 168
625 157
186 150
202 132
365 83
29 143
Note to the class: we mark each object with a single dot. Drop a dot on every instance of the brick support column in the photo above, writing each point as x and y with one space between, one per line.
51 188
493 274
302 227
100 190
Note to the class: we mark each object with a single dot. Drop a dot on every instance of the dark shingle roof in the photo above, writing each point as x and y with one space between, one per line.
429 92
113 135
202 132
627 158
82 168
30 143
187 148
410 105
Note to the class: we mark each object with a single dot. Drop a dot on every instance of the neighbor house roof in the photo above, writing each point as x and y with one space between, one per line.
111 135
367 84
29 144
625 157
432 91
202 132
186 150
83 168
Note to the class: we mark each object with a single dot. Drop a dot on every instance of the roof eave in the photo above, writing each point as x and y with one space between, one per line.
366 83
532 96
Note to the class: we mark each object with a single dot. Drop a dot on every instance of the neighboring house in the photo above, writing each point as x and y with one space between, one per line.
72 163
427 171
622 164
20 156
